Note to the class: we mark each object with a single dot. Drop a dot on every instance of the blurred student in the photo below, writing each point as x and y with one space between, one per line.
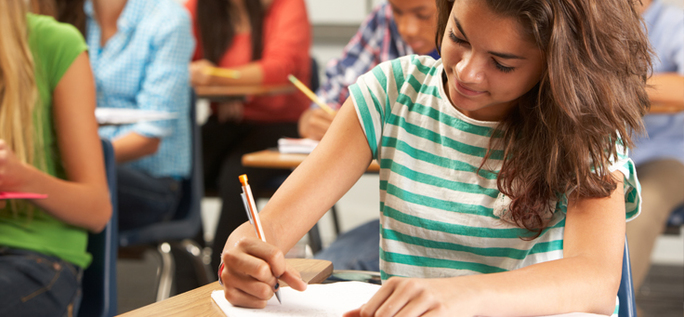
395 28
659 156
48 145
264 41
139 51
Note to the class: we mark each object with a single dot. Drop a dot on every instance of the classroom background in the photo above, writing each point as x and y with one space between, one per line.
334 22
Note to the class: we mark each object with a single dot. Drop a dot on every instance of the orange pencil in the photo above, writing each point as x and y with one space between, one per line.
253 216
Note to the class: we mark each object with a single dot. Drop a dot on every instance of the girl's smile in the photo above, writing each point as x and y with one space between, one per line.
461 88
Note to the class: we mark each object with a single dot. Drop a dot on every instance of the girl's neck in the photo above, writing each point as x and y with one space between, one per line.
107 13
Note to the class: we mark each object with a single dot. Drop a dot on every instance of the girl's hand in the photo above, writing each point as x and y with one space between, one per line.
416 297
314 123
12 171
198 73
251 271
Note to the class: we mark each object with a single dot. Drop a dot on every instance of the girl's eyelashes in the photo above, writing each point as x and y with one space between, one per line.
455 39
498 66
503 68
424 17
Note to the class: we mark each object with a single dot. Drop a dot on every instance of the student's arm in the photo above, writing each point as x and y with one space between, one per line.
322 179
164 88
83 199
585 280
133 146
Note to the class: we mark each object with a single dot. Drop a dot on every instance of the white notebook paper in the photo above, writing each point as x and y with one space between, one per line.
320 300
333 299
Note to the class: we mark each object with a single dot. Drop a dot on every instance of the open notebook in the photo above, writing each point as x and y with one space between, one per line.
322 300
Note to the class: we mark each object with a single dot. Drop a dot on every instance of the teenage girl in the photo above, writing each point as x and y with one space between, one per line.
48 145
504 181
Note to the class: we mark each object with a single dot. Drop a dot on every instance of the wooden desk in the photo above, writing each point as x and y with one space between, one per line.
277 160
232 92
198 302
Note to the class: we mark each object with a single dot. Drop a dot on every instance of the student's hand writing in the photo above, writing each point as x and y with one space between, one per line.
11 169
250 271
198 73
417 297
314 123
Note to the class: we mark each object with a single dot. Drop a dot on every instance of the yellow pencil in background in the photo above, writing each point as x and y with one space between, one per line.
222 72
310 94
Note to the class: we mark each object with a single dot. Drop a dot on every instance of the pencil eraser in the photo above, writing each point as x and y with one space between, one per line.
243 179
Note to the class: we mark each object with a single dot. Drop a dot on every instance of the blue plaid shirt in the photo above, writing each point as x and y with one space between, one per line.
145 66
377 40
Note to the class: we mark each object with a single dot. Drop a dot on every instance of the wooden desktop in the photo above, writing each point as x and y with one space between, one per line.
271 158
231 92
198 302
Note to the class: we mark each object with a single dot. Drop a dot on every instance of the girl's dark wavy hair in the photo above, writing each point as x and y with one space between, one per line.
215 23
591 97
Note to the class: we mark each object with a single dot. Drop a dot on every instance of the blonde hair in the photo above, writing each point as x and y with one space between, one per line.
18 91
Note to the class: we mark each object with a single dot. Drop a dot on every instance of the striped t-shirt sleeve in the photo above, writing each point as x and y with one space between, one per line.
371 100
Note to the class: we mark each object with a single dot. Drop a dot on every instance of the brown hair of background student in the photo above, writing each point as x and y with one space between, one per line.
562 133
216 20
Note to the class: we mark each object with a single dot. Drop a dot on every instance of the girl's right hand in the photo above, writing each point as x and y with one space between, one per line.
251 272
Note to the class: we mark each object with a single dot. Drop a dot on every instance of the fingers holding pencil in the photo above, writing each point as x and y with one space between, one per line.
252 271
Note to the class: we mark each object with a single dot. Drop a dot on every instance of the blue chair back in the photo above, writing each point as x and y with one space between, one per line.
626 291
99 280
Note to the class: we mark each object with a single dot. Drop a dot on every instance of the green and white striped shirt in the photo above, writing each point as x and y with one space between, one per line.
439 218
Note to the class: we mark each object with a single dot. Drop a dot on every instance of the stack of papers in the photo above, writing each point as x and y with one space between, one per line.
291 145
126 116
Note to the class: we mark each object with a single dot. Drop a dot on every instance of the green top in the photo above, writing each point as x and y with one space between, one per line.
55 46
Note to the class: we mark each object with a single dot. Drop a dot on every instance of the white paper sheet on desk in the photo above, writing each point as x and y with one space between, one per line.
332 299
292 145
125 116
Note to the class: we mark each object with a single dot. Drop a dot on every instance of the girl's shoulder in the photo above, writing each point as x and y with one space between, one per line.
47 32
54 46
